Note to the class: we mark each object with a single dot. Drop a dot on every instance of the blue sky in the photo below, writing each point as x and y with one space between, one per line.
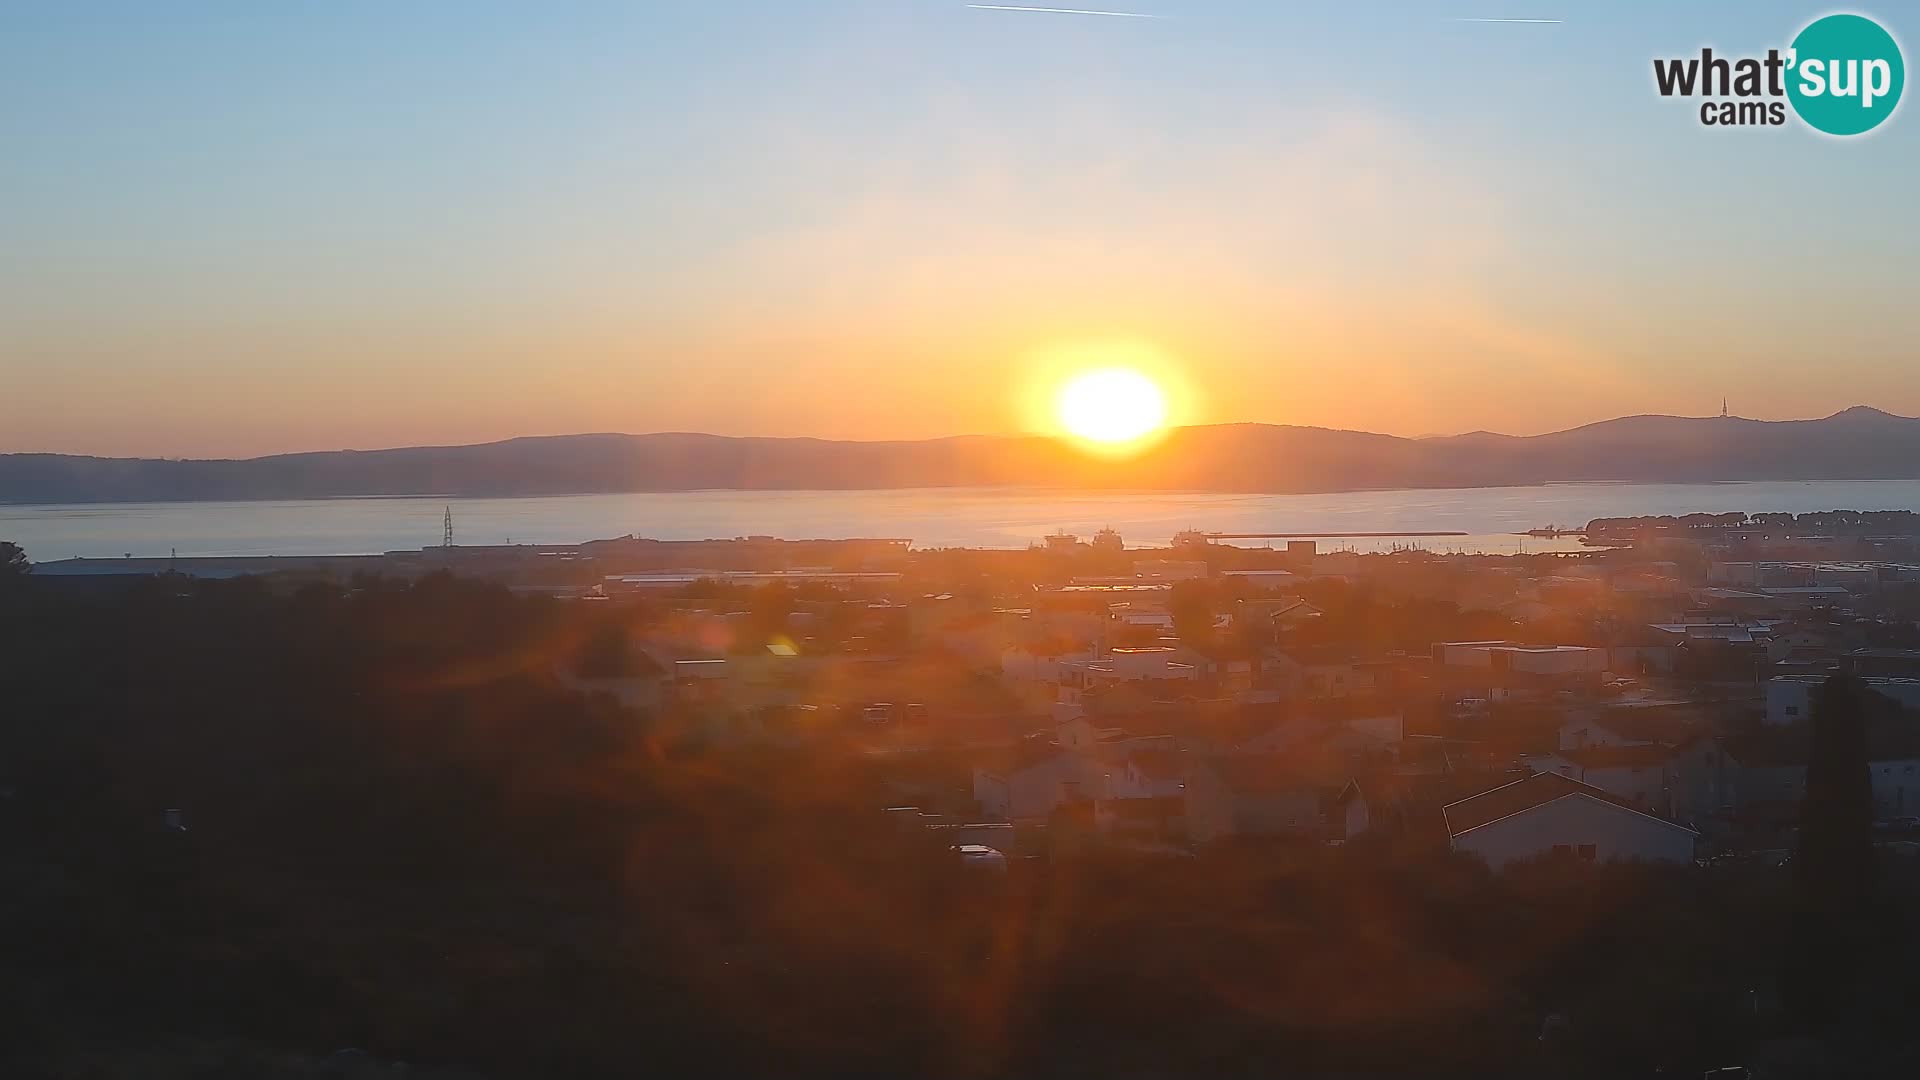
236 228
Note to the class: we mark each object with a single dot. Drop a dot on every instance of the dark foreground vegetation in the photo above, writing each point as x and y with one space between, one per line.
398 833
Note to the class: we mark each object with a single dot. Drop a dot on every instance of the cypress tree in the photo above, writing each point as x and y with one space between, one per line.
1834 860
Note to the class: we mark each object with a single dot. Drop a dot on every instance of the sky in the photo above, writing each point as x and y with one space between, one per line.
230 229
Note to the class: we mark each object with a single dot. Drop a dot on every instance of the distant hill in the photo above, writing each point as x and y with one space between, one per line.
1860 443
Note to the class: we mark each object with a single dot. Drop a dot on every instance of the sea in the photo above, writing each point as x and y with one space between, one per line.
1491 520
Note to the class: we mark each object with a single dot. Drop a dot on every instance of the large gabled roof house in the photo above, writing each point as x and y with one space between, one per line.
1550 814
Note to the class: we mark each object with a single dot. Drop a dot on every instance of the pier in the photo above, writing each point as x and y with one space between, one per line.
1211 536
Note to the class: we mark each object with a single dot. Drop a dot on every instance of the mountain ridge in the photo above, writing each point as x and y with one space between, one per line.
1857 443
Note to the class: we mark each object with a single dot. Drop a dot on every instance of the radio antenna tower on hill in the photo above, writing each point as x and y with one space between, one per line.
446 529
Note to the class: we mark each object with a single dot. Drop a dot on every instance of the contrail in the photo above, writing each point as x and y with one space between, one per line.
1063 11
1548 22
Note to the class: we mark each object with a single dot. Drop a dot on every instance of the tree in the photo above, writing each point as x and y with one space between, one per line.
1834 865
13 561
609 654
1836 818
768 615
1192 611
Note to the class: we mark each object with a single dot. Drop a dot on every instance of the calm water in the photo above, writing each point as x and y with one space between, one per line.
933 517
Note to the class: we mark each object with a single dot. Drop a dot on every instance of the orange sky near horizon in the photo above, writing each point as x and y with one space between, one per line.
1447 369
1337 376
872 220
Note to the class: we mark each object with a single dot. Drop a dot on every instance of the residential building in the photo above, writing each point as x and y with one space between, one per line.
1790 697
1320 674
1635 721
1170 569
1155 820
1766 779
1263 795
1551 660
1549 814
1642 774
1028 784
1156 771
1896 788
1884 663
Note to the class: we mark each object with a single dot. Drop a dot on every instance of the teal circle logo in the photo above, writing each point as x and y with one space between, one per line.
1845 74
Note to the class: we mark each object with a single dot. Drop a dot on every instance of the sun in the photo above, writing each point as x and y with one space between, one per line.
1110 397
1111 406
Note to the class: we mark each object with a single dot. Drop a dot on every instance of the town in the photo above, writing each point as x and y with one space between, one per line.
1643 700
1083 709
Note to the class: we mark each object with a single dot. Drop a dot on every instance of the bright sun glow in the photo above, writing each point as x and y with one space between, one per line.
1112 405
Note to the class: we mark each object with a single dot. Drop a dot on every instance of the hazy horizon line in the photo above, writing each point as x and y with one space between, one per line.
930 438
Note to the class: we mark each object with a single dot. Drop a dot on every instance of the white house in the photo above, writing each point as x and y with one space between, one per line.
1268 795
1032 782
1550 660
1790 697
1550 814
1021 664
1763 779
1370 731
1790 640
1320 674
1080 734
1145 662
1351 813
1642 775
1155 772
1582 732
1896 788
1130 615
